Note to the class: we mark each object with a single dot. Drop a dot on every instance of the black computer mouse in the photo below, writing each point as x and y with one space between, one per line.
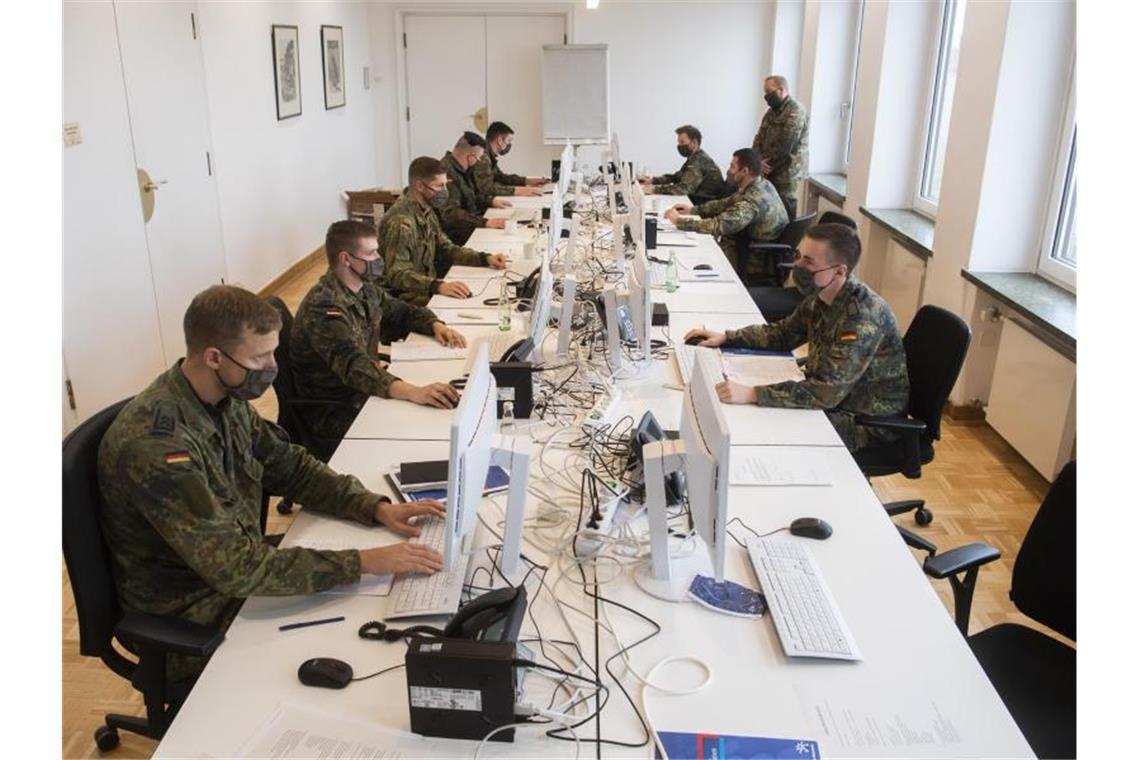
696 340
702 267
326 672
810 527
458 383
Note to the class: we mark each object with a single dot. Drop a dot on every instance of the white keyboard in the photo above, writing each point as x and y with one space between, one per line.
685 355
806 616
436 594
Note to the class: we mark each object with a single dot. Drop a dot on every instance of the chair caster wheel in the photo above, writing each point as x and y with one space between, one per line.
923 516
284 507
106 738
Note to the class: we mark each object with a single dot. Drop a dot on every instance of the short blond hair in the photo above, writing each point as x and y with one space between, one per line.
219 316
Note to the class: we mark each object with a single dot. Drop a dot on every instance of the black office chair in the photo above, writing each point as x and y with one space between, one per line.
777 302
774 258
936 343
289 401
1035 674
102 619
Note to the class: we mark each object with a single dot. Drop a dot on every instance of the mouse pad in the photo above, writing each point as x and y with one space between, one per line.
727 597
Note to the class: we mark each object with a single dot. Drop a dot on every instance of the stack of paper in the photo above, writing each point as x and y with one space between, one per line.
771 467
422 352
761 370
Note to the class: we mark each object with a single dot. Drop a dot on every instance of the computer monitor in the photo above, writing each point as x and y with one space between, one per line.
469 455
636 204
615 151
540 309
567 167
702 454
640 300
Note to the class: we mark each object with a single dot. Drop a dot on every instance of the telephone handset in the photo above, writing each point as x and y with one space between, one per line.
494 616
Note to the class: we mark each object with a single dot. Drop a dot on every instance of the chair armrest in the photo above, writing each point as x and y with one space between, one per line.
916 541
901 424
959 560
169 634
770 247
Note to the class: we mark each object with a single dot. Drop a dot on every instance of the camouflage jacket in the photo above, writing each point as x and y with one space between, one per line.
489 181
182 486
463 213
782 141
415 249
334 342
756 207
699 178
856 363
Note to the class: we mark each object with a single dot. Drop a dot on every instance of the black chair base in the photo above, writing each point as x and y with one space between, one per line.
922 515
1036 677
285 507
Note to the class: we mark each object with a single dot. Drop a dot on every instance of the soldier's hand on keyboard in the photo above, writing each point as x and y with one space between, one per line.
448 336
707 337
398 517
400 558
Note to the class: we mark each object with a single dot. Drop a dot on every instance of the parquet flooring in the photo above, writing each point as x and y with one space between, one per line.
978 487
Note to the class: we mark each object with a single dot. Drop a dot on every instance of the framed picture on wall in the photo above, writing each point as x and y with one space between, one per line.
287 70
332 56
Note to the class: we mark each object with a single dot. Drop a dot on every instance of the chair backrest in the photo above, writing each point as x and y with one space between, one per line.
285 384
84 550
936 344
1045 573
834 217
794 231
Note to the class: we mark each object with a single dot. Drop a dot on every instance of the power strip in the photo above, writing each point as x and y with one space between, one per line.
603 411
591 539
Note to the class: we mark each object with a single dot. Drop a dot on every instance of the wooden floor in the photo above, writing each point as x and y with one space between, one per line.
978 487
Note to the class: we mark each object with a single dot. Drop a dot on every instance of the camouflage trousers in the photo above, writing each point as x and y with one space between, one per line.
790 194
857 437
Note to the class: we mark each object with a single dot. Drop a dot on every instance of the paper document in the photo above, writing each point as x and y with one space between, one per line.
296 732
369 585
769 467
760 370
404 351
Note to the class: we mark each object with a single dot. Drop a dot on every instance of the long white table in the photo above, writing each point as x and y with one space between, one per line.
918 692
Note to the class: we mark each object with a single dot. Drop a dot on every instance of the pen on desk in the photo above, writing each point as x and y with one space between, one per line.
469 316
307 623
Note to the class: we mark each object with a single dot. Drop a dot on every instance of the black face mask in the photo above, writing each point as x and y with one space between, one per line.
256 382
685 150
373 269
773 99
438 200
506 150
804 280
730 179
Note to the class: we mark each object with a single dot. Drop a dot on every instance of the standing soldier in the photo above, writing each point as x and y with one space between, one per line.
857 363
699 177
782 142
755 209
489 180
182 470
462 214
416 253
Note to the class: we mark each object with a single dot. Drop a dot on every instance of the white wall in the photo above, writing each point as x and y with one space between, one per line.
279 182
788 39
672 63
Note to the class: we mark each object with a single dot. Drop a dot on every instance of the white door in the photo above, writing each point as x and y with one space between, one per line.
166 95
514 86
111 341
445 67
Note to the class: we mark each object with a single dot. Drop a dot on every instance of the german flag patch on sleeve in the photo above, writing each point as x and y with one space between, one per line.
178 457
848 336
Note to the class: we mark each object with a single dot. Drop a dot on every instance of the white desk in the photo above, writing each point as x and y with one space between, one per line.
913 654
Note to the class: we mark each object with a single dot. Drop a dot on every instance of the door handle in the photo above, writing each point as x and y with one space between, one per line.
147 188
152 186
479 119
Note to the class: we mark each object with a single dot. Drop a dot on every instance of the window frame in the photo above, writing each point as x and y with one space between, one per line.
1058 213
854 90
942 36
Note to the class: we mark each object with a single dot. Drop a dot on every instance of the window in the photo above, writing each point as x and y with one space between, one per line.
1058 260
850 111
945 74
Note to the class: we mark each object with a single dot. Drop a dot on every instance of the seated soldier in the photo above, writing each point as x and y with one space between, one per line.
182 470
856 364
416 253
338 329
755 209
462 214
699 177
489 180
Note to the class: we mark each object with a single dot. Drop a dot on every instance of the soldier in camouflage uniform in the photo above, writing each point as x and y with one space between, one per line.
338 329
856 365
463 212
489 180
699 177
753 212
182 470
416 252
782 142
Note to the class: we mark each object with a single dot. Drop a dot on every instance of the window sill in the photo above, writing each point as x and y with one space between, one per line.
1047 310
911 229
830 186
